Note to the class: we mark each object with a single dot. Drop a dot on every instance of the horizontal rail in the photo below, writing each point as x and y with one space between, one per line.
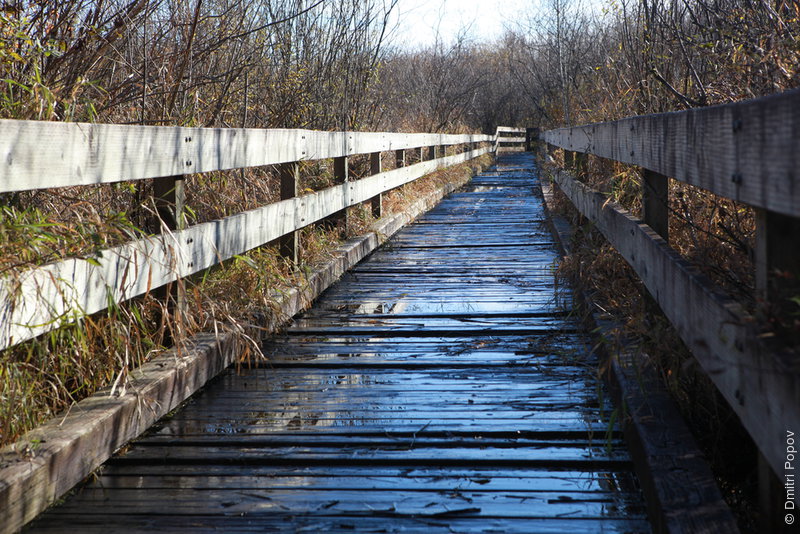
40 155
44 298
760 383
747 151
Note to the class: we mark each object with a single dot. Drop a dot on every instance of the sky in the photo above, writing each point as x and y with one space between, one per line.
420 20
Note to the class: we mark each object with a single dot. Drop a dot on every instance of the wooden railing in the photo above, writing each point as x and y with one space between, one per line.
509 139
749 152
37 155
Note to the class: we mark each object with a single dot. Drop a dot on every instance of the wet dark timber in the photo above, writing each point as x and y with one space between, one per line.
441 386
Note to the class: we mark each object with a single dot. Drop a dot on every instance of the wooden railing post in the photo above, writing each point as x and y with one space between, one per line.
569 159
399 158
289 245
550 150
531 138
581 163
375 168
169 196
341 174
655 202
777 261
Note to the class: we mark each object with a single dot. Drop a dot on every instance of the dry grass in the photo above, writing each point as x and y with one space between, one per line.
45 376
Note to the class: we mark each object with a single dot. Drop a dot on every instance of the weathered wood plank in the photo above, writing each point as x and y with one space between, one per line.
747 151
759 382
41 299
577 456
476 504
83 154
333 477
509 129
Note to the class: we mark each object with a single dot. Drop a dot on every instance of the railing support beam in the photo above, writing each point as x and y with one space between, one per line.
375 168
169 196
289 245
655 202
341 174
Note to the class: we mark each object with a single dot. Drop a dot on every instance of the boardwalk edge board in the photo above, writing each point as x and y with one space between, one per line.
48 461
671 469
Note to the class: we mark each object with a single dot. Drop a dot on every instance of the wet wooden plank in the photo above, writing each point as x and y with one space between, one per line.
443 504
221 429
363 478
397 454
343 523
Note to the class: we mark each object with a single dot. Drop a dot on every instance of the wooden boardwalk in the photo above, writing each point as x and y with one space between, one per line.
441 386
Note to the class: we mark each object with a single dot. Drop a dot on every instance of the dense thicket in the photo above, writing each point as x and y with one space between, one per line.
326 64
265 63
567 63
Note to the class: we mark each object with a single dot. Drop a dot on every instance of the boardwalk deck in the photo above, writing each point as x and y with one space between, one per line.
441 386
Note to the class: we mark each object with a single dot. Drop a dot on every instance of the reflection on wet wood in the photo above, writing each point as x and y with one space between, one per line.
441 386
